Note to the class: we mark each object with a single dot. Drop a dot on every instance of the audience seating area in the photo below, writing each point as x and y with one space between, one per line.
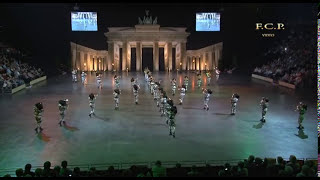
14 72
251 167
292 60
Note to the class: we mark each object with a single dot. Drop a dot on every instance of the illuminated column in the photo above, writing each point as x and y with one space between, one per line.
117 57
110 55
81 60
95 63
178 56
156 56
209 63
138 56
105 62
169 51
183 51
129 57
188 63
197 63
204 61
124 55
165 53
88 62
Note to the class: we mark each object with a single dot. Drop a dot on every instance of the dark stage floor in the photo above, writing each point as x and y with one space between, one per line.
137 133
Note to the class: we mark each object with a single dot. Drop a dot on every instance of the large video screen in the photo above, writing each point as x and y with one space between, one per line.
84 21
207 21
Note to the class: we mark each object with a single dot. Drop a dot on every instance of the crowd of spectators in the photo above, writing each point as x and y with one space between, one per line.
251 167
292 60
13 71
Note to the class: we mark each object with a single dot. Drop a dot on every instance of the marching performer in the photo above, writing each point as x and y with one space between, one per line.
117 81
182 93
172 123
302 108
206 93
186 82
264 103
152 83
74 75
199 82
234 99
217 74
99 81
116 95
173 86
132 82
163 103
38 110
92 99
208 74
136 93
83 77
63 105
168 106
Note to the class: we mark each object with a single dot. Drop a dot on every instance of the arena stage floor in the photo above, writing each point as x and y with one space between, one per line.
137 133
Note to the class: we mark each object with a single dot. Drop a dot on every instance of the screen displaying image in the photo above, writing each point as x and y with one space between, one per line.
207 21
84 21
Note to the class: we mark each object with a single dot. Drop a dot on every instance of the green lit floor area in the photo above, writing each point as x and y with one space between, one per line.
137 133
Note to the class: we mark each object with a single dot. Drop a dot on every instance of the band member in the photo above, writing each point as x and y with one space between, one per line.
156 90
186 82
264 103
132 82
168 106
217 74
199 82
163 103
38 110
152 83
146 72
99 81
116 95
234 99
63 105
136 93
173 86
157 93
182 93
208 74
74 75
92 99
302 108
172 123
206 93
117 81
83 77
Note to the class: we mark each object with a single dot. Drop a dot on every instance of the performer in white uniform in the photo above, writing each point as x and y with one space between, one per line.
234 100
206 93
182 93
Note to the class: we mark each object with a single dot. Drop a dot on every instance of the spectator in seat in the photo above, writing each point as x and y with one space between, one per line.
226 171
47 171
111 172
158 170
64 171
38 172
304 171
56 171
76 172
194 172
242 171
179 171
27 170
19 172
294 164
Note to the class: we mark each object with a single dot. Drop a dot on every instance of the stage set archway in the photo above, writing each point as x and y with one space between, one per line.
147 34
